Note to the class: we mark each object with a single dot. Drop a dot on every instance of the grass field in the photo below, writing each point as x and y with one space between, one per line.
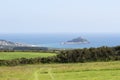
14 55
73 71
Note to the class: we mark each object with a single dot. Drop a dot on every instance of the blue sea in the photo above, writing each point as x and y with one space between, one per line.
54 40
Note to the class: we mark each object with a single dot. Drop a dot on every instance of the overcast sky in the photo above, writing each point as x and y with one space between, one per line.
59 16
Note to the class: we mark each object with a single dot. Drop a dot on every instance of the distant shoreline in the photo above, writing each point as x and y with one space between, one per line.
63 43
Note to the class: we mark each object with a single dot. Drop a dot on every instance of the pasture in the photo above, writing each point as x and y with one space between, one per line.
14 55
71 71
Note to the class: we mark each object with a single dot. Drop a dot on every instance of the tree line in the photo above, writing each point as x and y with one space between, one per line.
71 56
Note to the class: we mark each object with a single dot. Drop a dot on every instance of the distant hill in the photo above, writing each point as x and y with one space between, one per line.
8 45
78 40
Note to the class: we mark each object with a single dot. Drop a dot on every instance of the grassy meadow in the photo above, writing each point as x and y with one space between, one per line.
71 71
14 55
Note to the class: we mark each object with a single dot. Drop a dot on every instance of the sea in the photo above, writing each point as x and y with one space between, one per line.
53 40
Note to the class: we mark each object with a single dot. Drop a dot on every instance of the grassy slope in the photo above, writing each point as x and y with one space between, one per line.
13 55
74 71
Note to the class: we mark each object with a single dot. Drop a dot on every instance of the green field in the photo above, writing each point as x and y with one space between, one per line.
73 71
14 55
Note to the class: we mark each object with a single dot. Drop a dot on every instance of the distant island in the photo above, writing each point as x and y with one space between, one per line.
78 40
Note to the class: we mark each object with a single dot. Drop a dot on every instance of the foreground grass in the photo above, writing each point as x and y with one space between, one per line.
73 71
14 55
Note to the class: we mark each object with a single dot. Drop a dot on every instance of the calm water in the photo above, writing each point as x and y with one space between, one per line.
54 40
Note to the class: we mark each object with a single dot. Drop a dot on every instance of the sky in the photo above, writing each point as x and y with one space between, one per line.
59 16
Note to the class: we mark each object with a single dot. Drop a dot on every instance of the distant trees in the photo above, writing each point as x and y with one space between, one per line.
35 49
71 56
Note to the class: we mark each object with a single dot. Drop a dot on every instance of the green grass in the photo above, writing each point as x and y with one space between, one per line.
73 71
14 55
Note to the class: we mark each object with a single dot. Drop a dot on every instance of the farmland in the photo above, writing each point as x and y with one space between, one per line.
14 55
70 71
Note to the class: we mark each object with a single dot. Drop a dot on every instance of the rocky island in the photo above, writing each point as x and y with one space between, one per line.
78 40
